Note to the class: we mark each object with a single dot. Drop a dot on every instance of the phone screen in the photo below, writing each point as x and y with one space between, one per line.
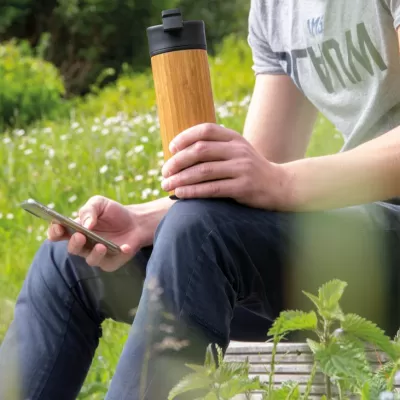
41 211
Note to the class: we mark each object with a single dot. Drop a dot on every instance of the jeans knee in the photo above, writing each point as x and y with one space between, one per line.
189 219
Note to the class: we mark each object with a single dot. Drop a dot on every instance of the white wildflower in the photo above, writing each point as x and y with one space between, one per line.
144 139
119 178
95 128
19 132
160 154
72 165
64 137
51 205
103 169
153 172
32 140
75 125
28 151
161 163
21 146
80 130
39 238
6 140
51 153
1 215
75 214
138 178
155 192
73 198
47 130
105 131
152 129
46 162
145 193
10 216
139 148
113 153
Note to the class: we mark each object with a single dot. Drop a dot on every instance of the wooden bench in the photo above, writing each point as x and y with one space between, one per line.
293 362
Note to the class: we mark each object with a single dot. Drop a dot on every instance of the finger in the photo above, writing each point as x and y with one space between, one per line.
96 256
198 152
57 232
208 132
91 211
208 171
76 245
227 188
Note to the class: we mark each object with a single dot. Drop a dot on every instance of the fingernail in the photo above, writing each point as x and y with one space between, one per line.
87 222
172 148
165 184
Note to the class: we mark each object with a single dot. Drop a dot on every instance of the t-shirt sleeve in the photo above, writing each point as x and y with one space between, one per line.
394 6
265 61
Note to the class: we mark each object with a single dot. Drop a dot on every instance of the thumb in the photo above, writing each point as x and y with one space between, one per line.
88 214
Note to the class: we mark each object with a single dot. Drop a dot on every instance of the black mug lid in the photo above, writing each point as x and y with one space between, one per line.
176 34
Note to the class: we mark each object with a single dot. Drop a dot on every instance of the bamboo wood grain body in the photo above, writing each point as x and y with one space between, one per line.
183 92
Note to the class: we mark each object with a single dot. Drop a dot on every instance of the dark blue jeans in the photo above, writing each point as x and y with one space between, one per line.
218 271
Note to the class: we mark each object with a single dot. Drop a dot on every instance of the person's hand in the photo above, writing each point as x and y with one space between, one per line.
110 220
212 161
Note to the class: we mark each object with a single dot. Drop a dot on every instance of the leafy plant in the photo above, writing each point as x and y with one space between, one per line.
30 88
339 353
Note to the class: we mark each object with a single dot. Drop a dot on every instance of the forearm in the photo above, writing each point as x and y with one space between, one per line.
368 173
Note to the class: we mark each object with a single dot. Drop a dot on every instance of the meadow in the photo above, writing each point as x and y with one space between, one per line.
109 145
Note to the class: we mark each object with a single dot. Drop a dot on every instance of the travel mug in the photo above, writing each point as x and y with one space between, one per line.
181 73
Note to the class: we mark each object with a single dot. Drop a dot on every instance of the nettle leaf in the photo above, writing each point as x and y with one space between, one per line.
343 361
314 299
228 370
315 346
286 392
190 382
327 302
237 386
367 331
331 292
289 321
199 369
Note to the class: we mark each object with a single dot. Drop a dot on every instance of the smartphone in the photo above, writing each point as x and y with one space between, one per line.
41 211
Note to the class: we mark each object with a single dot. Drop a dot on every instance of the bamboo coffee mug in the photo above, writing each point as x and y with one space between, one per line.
181 73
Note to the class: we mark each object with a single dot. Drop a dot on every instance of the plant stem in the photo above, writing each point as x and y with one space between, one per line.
272 372
310 381
326 338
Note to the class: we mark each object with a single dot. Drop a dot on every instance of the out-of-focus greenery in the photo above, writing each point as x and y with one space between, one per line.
30 88
85 37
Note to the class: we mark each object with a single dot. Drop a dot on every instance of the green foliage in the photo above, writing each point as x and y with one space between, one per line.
30 88
86 37
327 302
340 355
289 321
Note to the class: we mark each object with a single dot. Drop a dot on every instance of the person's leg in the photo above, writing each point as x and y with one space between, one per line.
217 268
50 344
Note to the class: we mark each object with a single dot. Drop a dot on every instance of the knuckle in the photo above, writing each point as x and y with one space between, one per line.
214 189
206 130
205 169
201 147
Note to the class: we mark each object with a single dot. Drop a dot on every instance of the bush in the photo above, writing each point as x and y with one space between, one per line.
86 37
30 88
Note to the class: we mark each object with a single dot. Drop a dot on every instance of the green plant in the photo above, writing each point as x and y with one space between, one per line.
30 88
340 354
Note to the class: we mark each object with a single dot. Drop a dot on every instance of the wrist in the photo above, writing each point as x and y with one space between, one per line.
148 215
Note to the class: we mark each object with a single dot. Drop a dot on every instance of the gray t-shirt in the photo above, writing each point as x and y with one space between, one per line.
342 54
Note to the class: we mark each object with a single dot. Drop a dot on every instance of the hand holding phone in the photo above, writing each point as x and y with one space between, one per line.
41 211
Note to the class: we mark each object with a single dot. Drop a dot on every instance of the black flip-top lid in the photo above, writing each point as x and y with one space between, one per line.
176 34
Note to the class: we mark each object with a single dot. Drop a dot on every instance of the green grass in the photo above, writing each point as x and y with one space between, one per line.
115 155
